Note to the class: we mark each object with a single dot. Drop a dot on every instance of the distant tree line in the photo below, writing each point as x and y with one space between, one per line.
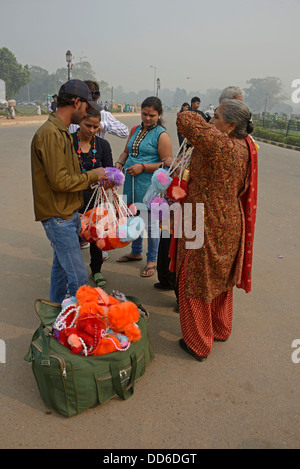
34 84
13 73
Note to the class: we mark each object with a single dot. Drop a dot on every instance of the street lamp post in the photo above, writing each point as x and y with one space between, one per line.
266 102
68 59
157 86
154 76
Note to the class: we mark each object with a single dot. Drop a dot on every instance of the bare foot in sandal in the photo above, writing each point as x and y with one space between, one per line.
130 258
99 280
149 270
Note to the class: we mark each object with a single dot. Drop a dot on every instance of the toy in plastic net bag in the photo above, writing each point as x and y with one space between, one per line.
169 185
109 223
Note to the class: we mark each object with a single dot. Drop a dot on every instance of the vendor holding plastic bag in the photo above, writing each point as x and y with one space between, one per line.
148 144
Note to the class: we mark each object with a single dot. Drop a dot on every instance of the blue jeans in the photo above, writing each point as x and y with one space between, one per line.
68 269
153 240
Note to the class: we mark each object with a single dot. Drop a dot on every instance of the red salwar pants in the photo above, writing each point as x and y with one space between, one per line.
201 323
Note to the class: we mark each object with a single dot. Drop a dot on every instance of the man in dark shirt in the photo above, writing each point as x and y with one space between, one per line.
54 103
195 103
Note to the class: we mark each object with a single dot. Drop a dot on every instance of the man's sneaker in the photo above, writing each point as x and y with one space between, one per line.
84 244
104 255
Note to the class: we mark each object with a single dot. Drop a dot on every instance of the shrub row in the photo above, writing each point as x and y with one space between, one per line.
275 137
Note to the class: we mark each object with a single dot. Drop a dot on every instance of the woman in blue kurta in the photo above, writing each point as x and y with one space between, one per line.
146 147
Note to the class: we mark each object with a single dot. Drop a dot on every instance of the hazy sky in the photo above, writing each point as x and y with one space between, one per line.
214 43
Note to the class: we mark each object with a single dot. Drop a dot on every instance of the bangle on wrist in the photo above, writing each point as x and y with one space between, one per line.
143 166
119 162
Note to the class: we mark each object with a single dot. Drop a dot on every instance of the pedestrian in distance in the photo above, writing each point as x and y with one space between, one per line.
195 104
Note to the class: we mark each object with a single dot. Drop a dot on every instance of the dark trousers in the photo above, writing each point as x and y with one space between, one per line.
165 277
96 259
95 253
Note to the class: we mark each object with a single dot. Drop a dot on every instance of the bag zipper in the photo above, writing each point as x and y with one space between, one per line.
61 361
64 368
121 372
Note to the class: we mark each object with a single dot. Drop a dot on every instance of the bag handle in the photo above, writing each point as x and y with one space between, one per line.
116 374
45 349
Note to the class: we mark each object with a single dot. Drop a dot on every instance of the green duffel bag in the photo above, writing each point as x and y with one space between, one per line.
71 383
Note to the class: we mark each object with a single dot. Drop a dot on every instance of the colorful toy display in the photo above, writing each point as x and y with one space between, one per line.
111 224
169 185
95 323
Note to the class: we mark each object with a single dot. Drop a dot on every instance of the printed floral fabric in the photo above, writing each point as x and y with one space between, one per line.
220 173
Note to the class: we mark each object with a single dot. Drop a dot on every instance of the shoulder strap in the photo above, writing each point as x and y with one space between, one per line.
249 203
133 130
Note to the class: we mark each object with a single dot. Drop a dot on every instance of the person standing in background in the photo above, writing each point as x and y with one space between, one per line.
148 145
54 103
195 103
108 124
93 152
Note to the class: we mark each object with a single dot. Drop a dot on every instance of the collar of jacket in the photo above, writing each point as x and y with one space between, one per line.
58 122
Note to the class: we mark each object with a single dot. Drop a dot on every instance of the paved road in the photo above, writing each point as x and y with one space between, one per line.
246 395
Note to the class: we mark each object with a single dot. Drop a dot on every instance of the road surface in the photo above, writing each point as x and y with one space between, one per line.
246 395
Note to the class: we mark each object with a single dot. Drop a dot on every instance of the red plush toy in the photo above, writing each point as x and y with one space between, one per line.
77 343
178 189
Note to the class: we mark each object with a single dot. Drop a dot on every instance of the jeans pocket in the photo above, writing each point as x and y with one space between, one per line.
49 231
63 221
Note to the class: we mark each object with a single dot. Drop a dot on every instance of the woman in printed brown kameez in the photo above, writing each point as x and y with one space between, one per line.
223 177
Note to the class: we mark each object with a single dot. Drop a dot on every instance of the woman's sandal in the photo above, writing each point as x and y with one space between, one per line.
147 271
99 280
190 351
128 258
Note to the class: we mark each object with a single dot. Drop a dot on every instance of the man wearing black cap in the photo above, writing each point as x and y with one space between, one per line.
58 185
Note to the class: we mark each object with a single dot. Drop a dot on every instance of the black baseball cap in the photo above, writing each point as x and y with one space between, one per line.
79 89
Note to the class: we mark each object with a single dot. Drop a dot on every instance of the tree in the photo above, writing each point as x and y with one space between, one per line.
212 96
105 90
60 77
13 73
83 71
180 96
40 85
264 93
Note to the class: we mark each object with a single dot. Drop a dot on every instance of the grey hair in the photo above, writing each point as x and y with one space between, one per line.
237 112
230 92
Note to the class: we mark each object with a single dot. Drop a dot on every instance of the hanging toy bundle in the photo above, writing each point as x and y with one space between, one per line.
110 223
169 185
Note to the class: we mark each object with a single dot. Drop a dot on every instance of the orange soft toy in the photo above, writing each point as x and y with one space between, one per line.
122 318
96 323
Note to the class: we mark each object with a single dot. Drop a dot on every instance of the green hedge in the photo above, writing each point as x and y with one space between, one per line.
274 137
